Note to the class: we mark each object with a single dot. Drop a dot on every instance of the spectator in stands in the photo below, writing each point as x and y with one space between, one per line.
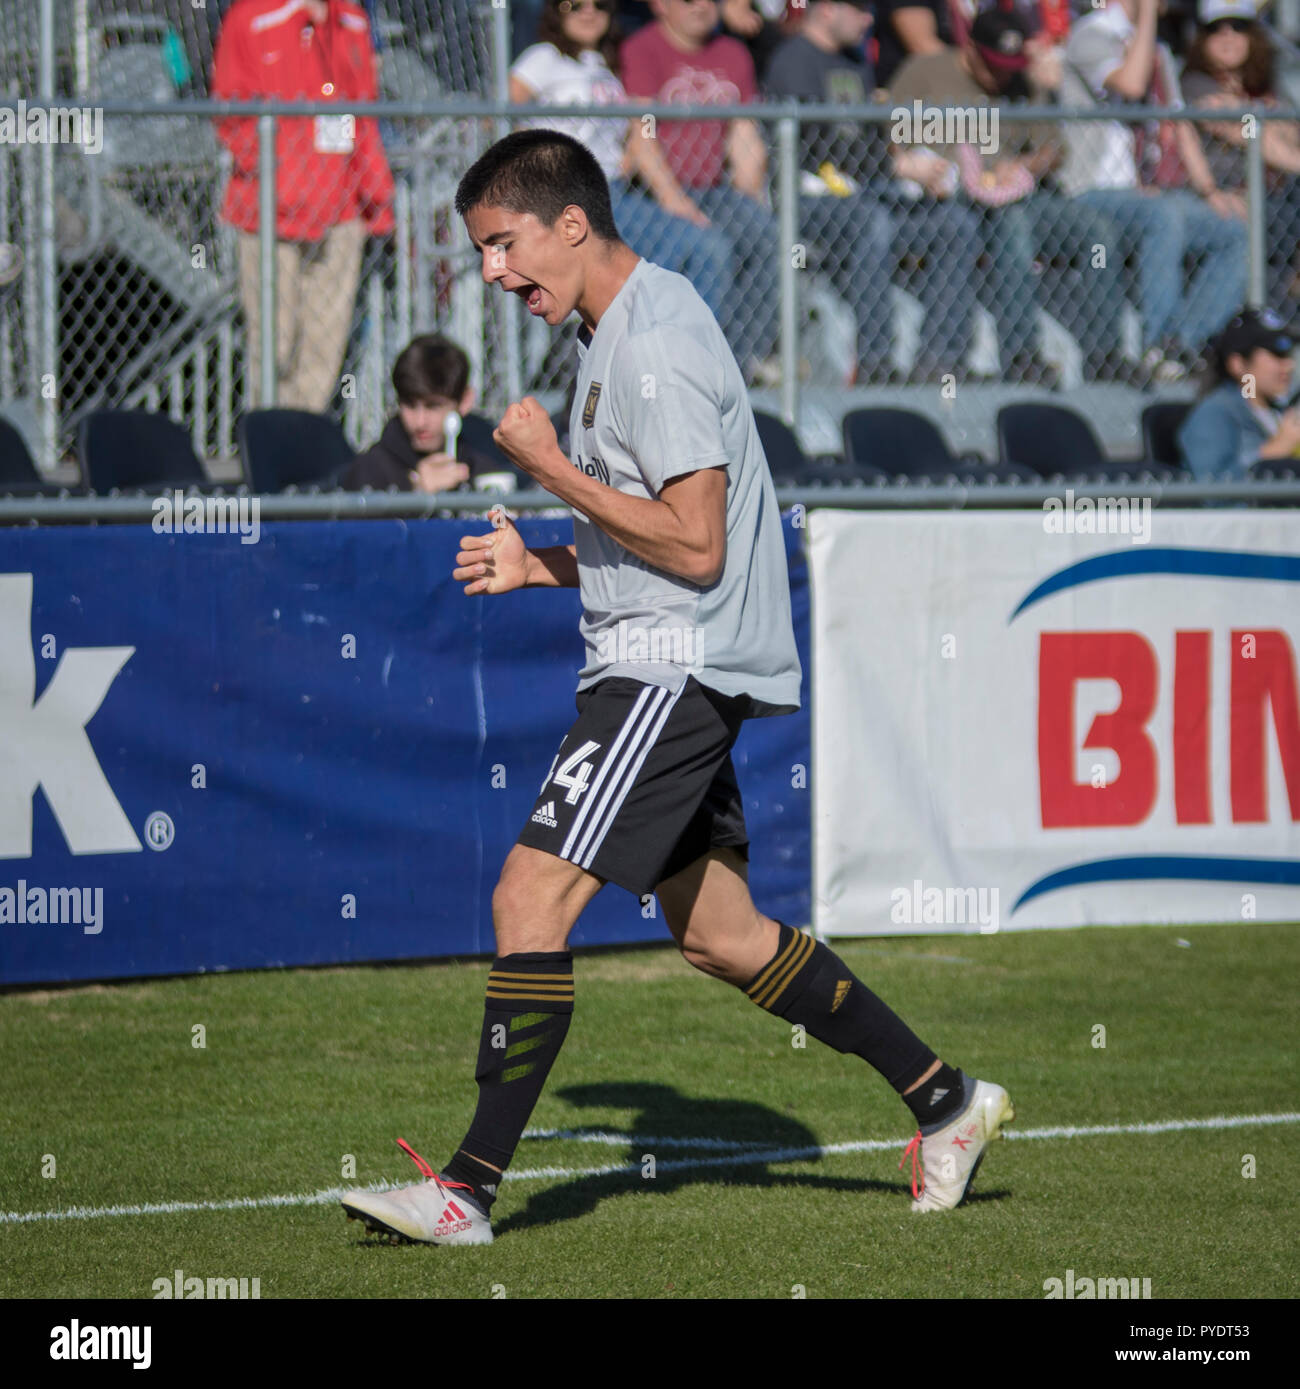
1244 418
1156 185
1230 64
333 183
1026 229
576 63
721 165
756 24
431 379
851 212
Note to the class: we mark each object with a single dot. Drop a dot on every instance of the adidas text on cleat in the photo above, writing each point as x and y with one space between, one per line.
430 1212
948 1155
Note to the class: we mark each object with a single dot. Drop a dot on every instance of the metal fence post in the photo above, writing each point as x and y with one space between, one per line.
268 288
501 89
48 394
1255 215
788 216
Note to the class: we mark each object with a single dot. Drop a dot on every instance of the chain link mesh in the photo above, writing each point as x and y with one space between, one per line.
919 258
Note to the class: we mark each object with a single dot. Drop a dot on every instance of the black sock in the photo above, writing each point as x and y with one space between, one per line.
525 1019
806 983
942 1096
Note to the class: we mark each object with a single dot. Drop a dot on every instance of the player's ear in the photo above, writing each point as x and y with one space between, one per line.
574 226
467 400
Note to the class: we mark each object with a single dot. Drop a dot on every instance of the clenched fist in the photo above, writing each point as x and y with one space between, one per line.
527 437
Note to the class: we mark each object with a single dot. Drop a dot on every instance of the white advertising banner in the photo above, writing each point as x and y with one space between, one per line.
1021 722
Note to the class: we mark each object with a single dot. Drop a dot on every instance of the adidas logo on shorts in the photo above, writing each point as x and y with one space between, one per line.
545 815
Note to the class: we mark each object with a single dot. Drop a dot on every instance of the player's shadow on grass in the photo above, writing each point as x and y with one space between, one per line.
737 1132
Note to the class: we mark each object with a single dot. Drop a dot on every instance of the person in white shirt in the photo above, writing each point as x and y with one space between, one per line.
575 63
1154 182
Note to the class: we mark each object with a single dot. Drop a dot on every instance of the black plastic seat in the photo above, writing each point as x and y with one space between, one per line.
130 449
1050 439
18 474
899 442
291 448
1160 425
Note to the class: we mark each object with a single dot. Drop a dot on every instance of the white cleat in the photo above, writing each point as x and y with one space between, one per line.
950 1153
430 1212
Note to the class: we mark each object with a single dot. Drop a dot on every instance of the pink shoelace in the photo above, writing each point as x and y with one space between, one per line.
918 1164
428 1171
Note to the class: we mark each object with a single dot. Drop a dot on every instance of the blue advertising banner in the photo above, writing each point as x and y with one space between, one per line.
310 749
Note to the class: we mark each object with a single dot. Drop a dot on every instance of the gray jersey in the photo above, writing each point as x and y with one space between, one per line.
660 395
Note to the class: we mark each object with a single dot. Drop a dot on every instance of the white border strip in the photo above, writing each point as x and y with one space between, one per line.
743 1155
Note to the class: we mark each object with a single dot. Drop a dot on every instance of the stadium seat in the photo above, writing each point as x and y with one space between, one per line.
1050 439
790 466
291 448
18 473
899 442
907 447
136 449
1160 424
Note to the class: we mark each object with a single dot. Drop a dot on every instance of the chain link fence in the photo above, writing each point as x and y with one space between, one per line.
927 245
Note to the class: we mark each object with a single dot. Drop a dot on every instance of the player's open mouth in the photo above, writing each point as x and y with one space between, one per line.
531 295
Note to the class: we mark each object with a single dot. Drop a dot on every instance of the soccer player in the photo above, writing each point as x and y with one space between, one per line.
686 618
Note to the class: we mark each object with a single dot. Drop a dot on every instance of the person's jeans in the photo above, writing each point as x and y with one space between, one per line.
1041 255
702 254
1162 229
751 305
939 244
851 241
1281 239
316 292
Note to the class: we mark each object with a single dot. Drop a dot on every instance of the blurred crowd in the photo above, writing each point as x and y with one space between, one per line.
1098 224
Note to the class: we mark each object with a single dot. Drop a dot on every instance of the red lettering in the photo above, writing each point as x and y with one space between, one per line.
1266 677
1065 658
1192 728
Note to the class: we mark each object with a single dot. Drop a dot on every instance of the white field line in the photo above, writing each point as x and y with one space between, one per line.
741 1155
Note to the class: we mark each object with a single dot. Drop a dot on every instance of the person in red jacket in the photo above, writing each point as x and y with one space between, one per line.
333 184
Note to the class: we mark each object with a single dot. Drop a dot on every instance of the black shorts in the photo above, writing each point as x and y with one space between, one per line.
643 783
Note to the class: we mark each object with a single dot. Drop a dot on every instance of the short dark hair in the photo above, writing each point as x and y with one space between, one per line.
542 172
430 367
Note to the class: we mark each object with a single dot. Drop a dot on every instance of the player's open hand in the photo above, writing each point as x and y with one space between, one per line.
493 563
527 437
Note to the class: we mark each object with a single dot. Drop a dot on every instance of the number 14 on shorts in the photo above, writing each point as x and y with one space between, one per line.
573 774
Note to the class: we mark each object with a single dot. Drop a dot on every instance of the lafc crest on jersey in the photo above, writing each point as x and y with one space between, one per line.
589 407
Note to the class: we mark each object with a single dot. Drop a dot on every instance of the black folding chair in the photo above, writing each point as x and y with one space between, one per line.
291 448
131 449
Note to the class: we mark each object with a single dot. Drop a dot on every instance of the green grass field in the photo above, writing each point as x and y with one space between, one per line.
304 1067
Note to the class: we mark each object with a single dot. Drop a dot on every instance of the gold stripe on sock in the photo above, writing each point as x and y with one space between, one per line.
778 985
777 964
531 988
531 998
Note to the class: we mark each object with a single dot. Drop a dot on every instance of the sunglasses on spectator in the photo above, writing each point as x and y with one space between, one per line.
1238 26
569 6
